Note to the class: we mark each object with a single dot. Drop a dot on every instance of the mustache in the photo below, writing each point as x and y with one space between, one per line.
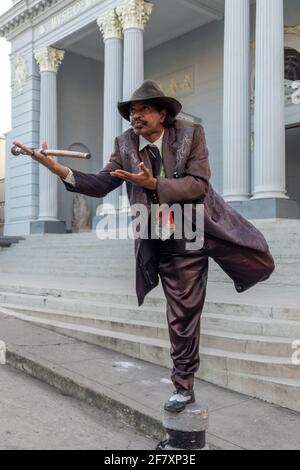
138 121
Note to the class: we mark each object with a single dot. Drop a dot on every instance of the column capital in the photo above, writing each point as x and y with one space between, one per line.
49 59
110 25
134 13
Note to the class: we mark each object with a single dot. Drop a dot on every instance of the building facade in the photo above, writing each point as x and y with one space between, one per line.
2 181
234 64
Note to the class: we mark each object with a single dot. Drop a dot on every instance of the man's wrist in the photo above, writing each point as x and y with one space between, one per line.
153 184
59 170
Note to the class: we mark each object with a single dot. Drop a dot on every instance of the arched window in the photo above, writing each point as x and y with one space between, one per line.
78 147
291 64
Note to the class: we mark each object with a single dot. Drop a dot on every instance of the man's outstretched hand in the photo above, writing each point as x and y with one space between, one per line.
47 160
38 155
143 179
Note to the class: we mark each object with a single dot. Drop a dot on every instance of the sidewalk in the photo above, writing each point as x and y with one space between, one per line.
134 391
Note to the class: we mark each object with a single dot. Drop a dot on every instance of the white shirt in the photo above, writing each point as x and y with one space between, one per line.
142 144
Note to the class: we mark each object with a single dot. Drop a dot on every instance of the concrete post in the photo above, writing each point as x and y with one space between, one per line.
186 430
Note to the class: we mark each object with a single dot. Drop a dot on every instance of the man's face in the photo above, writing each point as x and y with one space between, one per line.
145 119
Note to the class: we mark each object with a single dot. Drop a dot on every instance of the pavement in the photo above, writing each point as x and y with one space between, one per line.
34 416
134 391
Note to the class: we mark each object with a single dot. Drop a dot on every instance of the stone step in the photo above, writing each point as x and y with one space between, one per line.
276 250
65 267
289 265
281 257
87 245
22 263
275 241
39 259
276 247
216 365
37 254
255 326
59 241
154 305
283 272
278 278
274 237
282 392
268 327
276 282
209 338
67 273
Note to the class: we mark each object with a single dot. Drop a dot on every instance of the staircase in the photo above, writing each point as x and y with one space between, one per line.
82 287
283 237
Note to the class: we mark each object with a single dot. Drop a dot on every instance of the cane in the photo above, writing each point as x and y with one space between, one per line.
17 151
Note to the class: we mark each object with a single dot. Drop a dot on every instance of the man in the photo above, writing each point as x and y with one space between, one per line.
164 160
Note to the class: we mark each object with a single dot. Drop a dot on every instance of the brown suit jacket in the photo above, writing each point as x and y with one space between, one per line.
185 157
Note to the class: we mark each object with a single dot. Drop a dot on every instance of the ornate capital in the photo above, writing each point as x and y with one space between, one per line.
134 13
110 25
49 59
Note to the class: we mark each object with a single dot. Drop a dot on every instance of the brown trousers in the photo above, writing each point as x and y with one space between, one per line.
183 276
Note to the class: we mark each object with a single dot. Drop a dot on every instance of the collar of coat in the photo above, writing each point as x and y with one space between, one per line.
177 146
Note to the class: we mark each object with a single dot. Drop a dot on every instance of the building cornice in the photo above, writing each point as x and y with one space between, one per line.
22 12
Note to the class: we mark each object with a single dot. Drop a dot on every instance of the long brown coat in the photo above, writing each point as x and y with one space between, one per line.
185 157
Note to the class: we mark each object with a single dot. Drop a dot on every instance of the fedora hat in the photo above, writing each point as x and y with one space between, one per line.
150 91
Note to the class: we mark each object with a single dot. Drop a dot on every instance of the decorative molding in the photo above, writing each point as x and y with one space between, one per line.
66 14
110 26
292 30
291 94
287 30
189 117
49 59
134 13
19 74
16 17
178 84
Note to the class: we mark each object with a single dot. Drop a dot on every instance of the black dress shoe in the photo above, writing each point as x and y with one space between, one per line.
178 401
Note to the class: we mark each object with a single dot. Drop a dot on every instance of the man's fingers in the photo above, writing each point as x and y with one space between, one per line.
119 174
122 174
23 147
44 146
144 168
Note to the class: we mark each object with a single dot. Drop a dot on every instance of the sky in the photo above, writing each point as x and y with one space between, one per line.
5 87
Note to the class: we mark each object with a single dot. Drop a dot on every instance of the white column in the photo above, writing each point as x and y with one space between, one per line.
236 108
49 60
113 74
269 162
133 15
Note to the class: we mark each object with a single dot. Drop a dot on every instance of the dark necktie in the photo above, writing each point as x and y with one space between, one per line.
155 159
